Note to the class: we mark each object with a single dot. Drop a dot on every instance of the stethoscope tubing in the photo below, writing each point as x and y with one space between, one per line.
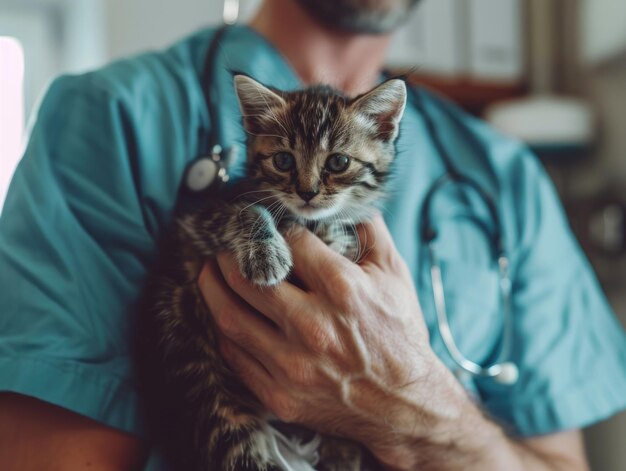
502 370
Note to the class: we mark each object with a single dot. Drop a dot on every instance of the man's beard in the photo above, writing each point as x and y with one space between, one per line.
361 16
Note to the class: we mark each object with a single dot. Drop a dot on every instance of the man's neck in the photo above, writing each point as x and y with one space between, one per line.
349 62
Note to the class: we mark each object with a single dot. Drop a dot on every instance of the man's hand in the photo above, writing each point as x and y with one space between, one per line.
344 350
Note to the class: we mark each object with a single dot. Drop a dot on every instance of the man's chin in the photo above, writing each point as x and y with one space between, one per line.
360 16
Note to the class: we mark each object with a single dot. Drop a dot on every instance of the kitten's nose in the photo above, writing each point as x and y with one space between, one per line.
308 195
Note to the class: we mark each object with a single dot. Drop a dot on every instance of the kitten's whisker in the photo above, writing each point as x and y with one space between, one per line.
257 226
352 226
280 213
336 222
274 209
361 247
367 245
256 202
384 209
338 217
253 191
281 208
275 206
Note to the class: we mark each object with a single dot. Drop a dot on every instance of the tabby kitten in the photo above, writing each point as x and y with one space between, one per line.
315 158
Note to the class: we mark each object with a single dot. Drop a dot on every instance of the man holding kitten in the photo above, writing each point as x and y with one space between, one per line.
365 358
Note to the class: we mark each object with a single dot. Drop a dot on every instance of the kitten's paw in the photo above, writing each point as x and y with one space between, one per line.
262 252
265 262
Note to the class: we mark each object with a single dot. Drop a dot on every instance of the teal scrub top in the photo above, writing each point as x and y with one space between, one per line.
99 181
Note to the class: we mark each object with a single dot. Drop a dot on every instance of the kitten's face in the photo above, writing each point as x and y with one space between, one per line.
319 153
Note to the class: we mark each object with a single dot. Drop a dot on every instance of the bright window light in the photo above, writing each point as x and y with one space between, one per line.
11 110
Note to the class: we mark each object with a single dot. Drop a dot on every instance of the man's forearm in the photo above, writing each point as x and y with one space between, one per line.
37 436
484 448
464 439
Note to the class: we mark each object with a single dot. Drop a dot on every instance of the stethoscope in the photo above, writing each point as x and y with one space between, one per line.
502 370
208 173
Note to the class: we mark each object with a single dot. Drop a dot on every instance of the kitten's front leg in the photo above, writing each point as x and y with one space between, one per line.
262 252
249 231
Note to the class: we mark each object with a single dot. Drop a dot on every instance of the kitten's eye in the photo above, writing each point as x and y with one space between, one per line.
337 163
284 161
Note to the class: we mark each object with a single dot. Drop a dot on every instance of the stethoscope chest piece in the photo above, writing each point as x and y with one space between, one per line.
508 375
207 172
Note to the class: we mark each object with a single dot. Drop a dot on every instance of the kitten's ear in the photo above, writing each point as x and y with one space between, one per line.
384 105
255 100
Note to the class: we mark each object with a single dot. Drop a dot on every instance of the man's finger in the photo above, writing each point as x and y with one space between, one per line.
315 264
275 302
376 241
236 320
249 370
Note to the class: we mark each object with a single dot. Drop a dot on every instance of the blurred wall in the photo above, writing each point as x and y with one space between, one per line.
592 65
605 87
57 36
137 25
603 28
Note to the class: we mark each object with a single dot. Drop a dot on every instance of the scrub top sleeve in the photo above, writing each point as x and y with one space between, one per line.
570 348
73 253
